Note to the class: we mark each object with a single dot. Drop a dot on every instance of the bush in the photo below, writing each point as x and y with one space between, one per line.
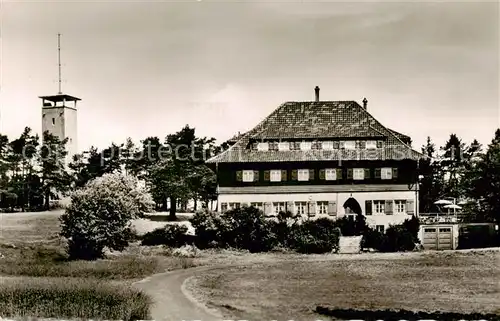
172 235
100 213
318 236
72 298
397 238
351 226
210 229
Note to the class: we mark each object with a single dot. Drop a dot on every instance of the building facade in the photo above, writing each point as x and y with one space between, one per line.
321 159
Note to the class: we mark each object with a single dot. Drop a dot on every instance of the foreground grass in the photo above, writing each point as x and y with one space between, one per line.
71 298
443 281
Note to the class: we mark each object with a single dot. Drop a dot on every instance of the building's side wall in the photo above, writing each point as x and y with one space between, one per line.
62 122
339 198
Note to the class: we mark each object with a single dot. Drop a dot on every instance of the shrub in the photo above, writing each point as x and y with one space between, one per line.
248 229
99 215
210 229
318 236
351 226
172 235
70 298
397 238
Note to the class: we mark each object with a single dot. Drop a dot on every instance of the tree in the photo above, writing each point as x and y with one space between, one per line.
99 215
483 183
55 179
432 182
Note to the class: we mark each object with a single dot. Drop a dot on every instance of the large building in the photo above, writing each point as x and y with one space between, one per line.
321 159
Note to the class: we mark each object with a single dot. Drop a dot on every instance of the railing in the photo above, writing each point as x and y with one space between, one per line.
433 218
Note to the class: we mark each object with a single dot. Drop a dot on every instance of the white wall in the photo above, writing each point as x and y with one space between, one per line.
340 198
65 127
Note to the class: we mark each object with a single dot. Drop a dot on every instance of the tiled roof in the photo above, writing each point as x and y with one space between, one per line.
402 137
318 120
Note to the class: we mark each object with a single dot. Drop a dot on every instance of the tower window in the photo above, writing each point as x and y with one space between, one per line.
53 121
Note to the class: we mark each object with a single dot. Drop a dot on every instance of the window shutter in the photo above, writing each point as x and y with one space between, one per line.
294 175
367 173
341 144
267 176
322 174
378 173
410 207
311 174
312 209
289 207
349 173
332 208
336 145
362 144
357 144
368 207
283 175
268 208
239 176
388 207
339 174
394 173
255 176
379 144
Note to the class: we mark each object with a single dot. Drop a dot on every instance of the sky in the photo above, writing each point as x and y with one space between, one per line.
149 68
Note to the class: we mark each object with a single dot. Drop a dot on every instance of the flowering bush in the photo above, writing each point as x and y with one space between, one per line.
100 213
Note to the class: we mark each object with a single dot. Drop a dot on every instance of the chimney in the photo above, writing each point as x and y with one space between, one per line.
365 103
316 91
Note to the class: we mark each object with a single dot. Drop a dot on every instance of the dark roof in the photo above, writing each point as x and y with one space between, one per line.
318 120
59 98
235 138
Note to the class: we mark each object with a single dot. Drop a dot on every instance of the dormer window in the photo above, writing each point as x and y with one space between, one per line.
371 144
350 144
327 145
263 146
305 146
284 146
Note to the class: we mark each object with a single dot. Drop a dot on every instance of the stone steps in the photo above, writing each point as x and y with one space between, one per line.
350 244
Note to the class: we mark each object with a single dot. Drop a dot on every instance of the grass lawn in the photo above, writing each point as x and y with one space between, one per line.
461 282
36 279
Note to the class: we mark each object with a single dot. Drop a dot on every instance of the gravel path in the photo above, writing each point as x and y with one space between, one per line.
172 302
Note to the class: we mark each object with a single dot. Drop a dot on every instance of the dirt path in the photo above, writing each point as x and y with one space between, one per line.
171 301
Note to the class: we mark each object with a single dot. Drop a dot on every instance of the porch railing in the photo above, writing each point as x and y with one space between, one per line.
432 218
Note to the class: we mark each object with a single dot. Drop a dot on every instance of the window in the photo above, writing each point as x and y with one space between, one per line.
295 145
380 228
273 146
258 205
358 173
400 206
300 208
322 207
444 230
328 145
379 207
386 173
430 230
303 174
278 207
53 121
371 144
223 207
234 205
284 146
275 175
305 145
263 146
331 174
350 144
248 176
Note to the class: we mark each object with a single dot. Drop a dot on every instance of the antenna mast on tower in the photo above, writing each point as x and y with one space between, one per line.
59 59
